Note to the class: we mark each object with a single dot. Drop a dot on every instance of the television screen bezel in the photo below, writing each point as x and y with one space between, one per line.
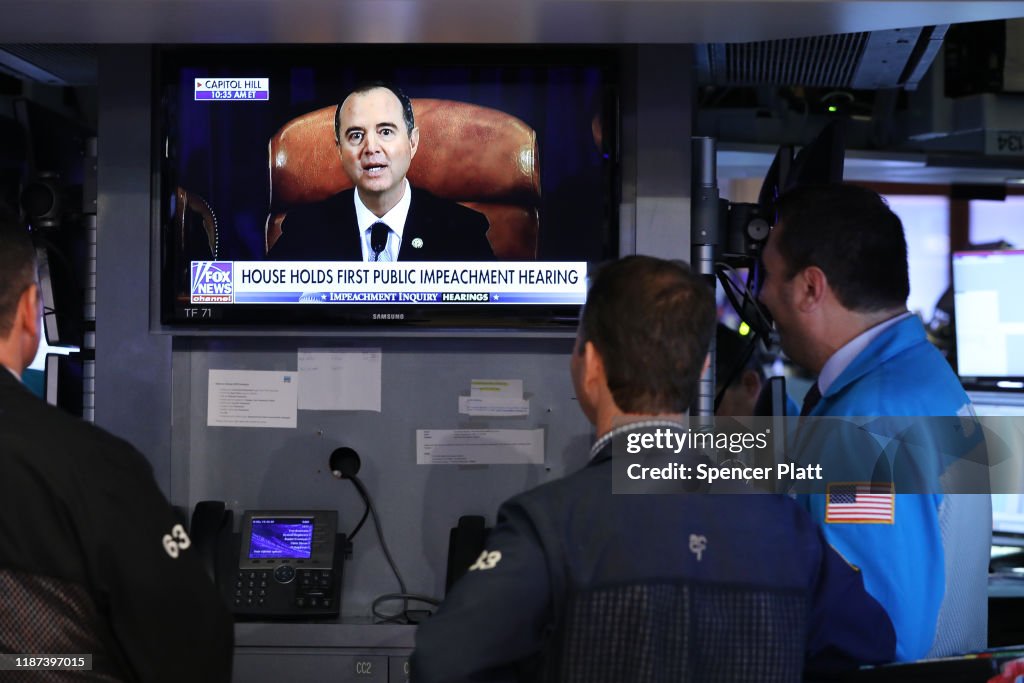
177 317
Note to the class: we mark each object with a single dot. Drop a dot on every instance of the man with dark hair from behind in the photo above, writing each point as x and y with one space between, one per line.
383 218
92 559
579 584
836 283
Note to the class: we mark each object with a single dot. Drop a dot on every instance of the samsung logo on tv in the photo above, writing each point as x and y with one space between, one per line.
388 316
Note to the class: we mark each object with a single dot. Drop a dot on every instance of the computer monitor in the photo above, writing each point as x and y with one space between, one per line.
64 382
1007 508
989 314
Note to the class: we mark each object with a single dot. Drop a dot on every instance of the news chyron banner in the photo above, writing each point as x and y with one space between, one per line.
213 89
424 282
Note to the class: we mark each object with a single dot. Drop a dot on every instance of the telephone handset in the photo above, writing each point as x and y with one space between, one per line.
283 564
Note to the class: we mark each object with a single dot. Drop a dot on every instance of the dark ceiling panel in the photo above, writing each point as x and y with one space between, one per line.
50 64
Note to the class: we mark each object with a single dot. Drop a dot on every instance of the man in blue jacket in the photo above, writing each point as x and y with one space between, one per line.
836 283
580 584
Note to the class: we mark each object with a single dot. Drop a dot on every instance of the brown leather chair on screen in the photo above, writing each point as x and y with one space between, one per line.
480 157
195 222
197 237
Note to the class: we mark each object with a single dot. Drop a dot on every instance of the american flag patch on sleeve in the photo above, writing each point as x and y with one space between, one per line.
860 503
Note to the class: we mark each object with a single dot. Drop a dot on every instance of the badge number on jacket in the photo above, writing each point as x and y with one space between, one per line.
176 541
487 560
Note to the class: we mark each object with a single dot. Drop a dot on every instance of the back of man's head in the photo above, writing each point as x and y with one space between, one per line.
651 321
17 271
852 235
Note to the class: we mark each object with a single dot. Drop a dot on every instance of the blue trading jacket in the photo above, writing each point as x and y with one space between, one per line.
936 598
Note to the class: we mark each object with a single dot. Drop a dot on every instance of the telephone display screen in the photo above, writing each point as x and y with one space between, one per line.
275 538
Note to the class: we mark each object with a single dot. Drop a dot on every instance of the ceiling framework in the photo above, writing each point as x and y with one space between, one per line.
472 21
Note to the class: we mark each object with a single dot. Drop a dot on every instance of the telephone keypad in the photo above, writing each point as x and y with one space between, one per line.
313 587
251 588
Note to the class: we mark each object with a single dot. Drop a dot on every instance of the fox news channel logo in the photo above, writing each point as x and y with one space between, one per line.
211 282
232 89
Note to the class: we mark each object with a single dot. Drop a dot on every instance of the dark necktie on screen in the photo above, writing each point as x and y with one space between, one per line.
379 241
811 399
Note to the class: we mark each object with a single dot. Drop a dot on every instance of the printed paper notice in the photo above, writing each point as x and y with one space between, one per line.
496 388
339 379
479 446
251 398
494 407
495 398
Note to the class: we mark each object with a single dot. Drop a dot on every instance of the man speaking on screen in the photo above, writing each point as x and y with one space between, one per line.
383 218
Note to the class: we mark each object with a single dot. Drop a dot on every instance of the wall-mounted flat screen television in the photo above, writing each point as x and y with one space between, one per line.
440 186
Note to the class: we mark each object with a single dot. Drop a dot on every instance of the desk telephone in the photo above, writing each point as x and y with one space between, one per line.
283 564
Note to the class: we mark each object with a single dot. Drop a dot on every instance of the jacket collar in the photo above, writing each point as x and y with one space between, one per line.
893 341
8 380
418 223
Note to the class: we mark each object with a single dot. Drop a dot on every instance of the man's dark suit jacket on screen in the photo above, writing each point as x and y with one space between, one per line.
327 231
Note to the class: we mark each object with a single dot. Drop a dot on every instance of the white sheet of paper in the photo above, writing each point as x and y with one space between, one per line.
251 398
339 379
479 446
486 406
496 388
